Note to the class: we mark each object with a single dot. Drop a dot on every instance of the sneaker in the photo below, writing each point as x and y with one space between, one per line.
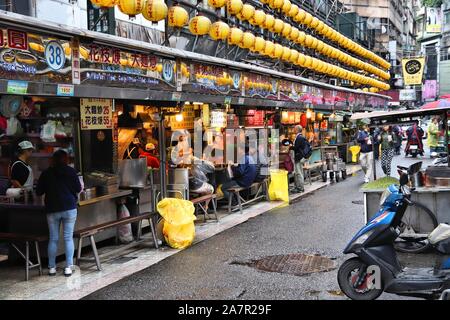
67 271
52 272
366 180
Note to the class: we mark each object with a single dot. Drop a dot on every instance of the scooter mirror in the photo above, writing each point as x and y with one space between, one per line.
403 178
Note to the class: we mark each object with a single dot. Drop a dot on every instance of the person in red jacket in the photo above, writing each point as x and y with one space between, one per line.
152 161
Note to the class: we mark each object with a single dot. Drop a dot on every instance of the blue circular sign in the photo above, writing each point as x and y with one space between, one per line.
54 55
167 71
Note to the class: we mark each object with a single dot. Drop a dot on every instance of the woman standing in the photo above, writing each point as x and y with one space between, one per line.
61 186
387 149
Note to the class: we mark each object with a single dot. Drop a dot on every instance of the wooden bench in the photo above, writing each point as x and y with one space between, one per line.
93 230
202 203
13 237
262 189
308 167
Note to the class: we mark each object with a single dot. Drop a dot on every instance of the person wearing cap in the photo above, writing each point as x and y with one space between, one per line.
21 172
152 161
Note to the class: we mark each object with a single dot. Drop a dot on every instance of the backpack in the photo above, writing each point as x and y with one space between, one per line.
307 150
288 163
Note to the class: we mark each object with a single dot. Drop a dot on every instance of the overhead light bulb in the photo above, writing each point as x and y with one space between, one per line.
179 117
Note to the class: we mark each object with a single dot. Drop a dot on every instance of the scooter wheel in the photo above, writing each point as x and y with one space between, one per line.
344 174
336 174
347 274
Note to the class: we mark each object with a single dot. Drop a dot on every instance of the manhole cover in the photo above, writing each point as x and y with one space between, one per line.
296 264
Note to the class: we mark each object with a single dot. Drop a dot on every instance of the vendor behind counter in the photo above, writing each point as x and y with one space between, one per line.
21 173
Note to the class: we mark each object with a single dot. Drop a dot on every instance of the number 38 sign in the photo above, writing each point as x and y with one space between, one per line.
54 55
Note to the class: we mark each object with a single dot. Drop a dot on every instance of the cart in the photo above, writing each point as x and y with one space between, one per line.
332 166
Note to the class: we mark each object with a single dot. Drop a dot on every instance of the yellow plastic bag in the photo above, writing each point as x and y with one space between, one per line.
279 186
179 228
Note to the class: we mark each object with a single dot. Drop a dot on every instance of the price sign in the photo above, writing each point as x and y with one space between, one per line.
54 55
96 114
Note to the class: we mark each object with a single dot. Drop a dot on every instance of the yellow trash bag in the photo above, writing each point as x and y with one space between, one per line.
279 186
355 151
178 229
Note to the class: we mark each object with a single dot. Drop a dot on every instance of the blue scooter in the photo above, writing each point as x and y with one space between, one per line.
376 269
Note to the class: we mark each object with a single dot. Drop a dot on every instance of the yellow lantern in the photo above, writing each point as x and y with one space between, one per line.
104 3
314 23
155 10
286 30
293 11
278 51
286 54
308 40
320 26
235 36
199 25
269 22
234 6
293 36
177 17
276 4
314 43
219 30
308 19
269 48
259 45
247 12
258 18
217 3
308 62
286 6
301 38
278 26
131 7
301 60
248 40
314 64
294 56
300 17
319 47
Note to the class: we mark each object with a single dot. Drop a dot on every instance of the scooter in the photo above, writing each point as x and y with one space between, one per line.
376 269
442 160
413 148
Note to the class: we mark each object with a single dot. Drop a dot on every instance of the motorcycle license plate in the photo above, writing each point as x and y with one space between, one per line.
413 147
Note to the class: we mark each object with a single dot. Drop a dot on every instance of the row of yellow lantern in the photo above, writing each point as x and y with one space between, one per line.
267 21
152 10
307 19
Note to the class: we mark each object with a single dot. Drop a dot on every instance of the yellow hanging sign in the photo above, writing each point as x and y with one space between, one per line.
413 70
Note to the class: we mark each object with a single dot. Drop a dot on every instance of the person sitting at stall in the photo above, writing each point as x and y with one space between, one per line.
244 174
152 161
21 173
61 186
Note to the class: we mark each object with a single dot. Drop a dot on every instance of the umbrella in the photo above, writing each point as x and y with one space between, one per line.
444 102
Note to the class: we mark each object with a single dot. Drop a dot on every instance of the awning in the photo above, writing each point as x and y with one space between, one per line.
381 115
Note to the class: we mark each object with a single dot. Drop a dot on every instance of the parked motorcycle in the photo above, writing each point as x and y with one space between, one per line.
442 160
376 269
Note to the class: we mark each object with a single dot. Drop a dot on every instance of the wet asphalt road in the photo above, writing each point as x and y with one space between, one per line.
320 223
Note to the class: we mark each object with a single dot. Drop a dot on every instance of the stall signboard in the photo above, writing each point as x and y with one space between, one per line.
111 66
407 95
260 86
28 56
413 70
96 114
218 119
211 79
254 118
292 91
429 90
187 121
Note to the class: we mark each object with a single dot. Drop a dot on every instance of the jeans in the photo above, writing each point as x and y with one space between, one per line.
227 185
366 161
54 220
299 175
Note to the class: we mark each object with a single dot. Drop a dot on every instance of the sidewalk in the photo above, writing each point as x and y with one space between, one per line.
88 279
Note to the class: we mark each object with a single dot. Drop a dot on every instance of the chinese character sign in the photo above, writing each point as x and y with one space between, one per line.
96 114
413 70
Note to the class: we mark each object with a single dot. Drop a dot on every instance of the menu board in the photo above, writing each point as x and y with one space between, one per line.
96 114
187 121
218 119
255 118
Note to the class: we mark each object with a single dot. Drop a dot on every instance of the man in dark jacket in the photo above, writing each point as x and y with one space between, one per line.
299 147
60 185
244 174
366 154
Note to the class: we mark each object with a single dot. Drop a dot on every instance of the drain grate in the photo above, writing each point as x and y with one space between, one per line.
298 264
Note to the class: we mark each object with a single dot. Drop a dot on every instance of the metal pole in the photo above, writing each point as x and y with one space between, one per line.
162 155
446 136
